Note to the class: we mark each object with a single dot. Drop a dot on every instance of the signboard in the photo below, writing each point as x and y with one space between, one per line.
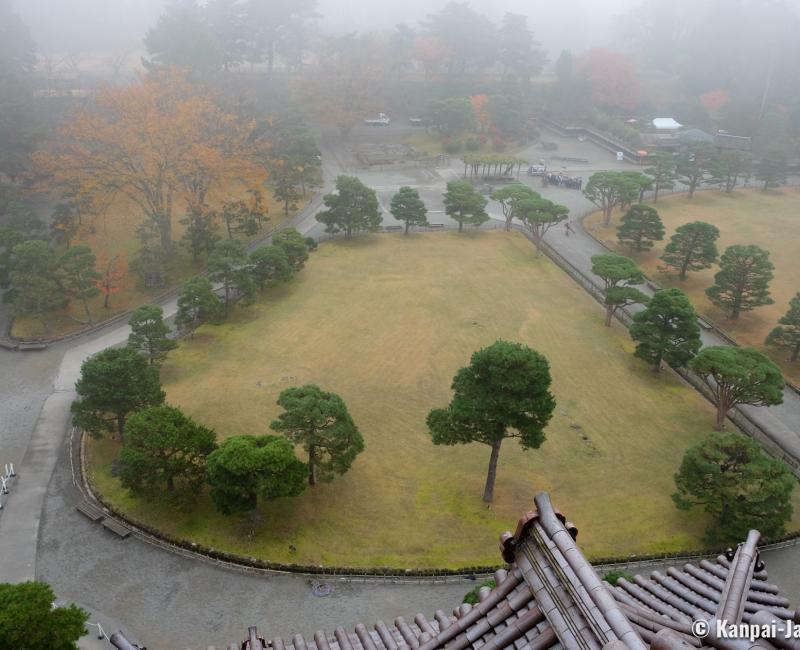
620 156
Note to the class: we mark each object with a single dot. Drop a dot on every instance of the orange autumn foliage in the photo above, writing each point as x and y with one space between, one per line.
156 142
481 114
714 101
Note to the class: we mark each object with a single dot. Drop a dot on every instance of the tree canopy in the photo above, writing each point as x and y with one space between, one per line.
269 266
150 334
742 283
692 248
662 171
666 329
607 190
465 204
293 244
164 453
787 333
639 227
503 393
197 304
538 215
738 376
113 384
319 421
618 273
409 208
354 208
245 468
735 482
30 621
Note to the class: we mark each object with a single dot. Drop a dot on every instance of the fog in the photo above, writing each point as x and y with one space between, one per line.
76 26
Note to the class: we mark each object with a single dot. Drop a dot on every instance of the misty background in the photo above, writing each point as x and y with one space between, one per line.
75 26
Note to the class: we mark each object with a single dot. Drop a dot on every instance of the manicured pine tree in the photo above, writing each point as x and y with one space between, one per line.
197 304
738 485
773 169
294 245
465 204
742 283
269 266
738 376
787 333
353 208
692 248
618 274
639 227
150 334
320 422
503 393
662 171
409 208
538 215
666 330
35 288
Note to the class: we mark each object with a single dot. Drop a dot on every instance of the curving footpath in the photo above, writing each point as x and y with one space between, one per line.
65 540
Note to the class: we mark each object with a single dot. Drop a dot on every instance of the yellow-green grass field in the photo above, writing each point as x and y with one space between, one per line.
385 321
769 219
113 235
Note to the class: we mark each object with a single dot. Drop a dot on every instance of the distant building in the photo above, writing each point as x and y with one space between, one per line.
550 598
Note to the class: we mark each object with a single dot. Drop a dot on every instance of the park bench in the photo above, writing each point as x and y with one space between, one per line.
705 324
392 228
8 345
437 226
89 511
116 528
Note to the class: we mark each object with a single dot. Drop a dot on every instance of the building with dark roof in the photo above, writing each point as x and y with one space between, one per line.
550 597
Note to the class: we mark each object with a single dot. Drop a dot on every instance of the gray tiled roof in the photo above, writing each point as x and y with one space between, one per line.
551 597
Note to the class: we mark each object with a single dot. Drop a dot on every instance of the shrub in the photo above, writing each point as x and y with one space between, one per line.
611 577
311 243
471 597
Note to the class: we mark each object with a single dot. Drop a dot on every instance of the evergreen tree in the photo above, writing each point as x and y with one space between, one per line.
662 171
294 245
787 333
227 265
509 197
164 453
320 422
150 334
693 166
639 227
608 190
729 166
742 282
197 304
618 273
354 208
503 393
35 289
407 207
244 468
200 235
538 215
269 266
735 482
113 384
738 376
465 204
666 330
31 621
692 248
77 272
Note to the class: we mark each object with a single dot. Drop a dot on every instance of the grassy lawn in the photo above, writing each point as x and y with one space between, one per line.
768 219
385 321
114 234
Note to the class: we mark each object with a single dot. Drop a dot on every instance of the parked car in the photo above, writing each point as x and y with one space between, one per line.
537 170
415 121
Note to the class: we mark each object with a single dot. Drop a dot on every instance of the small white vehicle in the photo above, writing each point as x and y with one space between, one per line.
381 120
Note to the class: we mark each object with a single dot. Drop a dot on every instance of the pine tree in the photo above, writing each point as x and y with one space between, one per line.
742 282
197 304
150 334
77 271
692 248
407 207
666 330
639 227
787 333
662 172
465 204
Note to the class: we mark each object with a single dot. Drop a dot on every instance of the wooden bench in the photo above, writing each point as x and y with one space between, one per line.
116 528
393 228
436 225
31 346
8 345
90 512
